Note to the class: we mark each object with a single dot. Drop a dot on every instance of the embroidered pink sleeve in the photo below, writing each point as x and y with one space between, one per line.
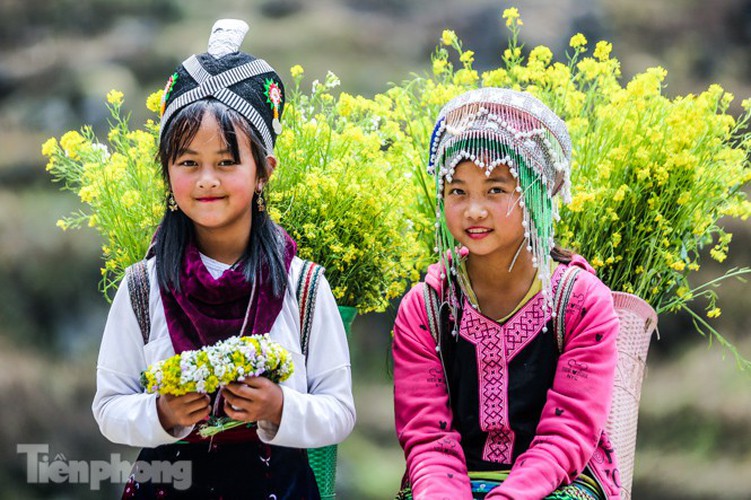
435 461
577 406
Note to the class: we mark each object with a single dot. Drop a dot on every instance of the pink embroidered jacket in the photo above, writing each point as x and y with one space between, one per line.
569 435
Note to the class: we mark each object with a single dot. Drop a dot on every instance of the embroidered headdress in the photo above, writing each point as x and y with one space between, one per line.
494 126
243 82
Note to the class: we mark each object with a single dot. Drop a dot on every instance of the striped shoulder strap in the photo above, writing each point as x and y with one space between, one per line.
138 286
560 302
307 288
433 307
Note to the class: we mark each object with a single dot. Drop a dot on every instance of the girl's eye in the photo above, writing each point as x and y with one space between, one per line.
456 191
497 190
187 163
226 163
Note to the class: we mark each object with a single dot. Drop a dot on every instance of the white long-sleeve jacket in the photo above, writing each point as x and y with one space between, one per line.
318 406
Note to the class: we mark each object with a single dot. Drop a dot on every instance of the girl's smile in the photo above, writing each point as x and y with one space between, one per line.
478 233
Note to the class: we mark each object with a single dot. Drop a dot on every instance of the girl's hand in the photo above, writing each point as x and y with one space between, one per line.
185 410
254 399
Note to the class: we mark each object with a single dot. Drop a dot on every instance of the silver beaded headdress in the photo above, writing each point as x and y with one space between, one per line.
494 126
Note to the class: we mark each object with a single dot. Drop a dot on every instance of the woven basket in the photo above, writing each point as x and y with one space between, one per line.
323 462
637 322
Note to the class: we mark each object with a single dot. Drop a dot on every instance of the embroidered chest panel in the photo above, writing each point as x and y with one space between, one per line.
495 346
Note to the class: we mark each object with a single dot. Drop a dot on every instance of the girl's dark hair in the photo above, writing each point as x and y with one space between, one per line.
266 243
562 255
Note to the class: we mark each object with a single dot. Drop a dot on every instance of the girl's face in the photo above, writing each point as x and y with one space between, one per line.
483 213
211 188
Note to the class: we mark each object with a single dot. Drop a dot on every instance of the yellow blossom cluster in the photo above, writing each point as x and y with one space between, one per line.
338 192
651 175
210 368
119 183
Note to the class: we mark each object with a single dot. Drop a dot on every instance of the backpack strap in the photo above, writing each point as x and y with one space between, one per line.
435 319
433 307
307 289
139 288
560 303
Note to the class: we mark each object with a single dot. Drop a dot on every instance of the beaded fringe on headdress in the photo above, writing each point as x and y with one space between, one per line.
492 127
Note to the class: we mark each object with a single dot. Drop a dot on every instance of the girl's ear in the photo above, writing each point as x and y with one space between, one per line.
270 166
271 162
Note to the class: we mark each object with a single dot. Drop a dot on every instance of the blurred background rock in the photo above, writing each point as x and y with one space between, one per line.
59 58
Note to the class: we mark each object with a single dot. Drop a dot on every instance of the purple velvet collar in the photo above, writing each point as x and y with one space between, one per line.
208 310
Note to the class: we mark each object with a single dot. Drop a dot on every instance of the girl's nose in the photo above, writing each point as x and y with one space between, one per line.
476 210
208 179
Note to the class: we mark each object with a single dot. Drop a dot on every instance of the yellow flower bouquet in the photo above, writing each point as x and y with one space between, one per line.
652 176
207 369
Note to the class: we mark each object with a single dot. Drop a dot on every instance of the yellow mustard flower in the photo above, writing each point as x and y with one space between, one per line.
467 57
154 101
49 147
513 53
449 38
71 142
466 77
296 71
615 239
678 265
512 17
541 54
115 97
578 41
620 194
495 78
602 50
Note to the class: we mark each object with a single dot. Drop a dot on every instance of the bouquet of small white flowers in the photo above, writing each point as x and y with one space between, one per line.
210 368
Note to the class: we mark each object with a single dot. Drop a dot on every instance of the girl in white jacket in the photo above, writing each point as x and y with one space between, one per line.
220 267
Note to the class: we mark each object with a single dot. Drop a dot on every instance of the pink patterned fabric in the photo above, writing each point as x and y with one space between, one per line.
487 338
496 345
570 431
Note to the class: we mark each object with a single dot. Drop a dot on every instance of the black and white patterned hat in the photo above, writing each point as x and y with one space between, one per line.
246 84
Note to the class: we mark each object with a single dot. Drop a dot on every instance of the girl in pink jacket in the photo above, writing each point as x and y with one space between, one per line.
503 374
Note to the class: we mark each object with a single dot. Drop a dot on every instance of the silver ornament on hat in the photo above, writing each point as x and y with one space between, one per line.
226 37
